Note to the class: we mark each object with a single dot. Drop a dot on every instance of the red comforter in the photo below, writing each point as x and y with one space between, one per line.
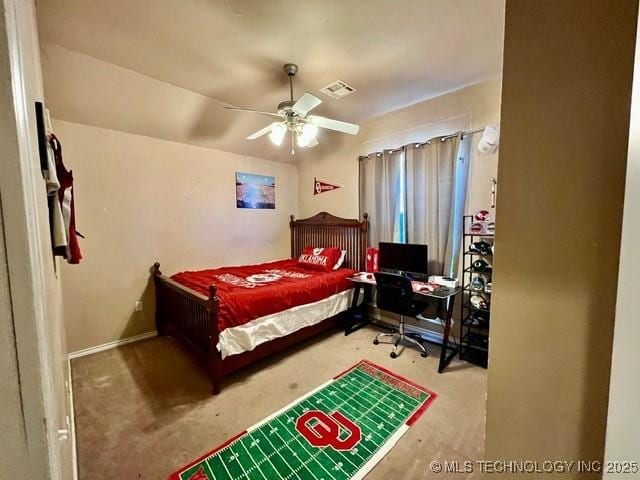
253 291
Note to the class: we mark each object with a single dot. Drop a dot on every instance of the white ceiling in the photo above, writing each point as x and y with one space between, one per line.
394 52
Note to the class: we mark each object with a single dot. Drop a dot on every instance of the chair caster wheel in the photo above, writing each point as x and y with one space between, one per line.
375 341
423 355
393 355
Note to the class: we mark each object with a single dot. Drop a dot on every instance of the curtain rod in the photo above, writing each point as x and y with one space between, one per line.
442 139
468 132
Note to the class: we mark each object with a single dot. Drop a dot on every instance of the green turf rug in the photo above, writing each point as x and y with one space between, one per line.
339 431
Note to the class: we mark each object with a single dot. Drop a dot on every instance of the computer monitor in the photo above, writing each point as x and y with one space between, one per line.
406 258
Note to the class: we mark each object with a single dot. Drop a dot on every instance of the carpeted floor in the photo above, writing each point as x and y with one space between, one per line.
145 409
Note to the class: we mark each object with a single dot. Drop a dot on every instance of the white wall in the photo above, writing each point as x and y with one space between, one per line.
141 200
623 423
469 108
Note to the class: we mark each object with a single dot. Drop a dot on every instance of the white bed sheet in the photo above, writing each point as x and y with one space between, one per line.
245 338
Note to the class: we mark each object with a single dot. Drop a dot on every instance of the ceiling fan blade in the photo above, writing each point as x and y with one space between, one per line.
269 114
259 133
306 103
337 125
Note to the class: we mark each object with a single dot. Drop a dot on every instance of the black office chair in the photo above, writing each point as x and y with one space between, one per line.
395 294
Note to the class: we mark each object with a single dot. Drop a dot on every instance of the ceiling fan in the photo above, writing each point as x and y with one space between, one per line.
293 116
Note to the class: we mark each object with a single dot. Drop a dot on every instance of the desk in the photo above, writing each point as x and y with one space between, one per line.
445 299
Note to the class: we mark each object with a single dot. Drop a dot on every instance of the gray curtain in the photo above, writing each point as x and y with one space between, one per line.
380 177
430 186
437 183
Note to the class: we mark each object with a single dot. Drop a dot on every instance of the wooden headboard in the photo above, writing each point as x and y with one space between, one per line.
325 230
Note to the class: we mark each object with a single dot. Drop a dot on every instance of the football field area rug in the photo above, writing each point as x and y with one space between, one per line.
339 431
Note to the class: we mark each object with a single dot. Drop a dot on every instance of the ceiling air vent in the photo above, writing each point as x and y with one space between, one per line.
338 89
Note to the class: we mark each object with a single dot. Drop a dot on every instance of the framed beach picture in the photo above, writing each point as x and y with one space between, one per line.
255 191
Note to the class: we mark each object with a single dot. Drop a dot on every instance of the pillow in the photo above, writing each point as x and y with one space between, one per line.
319 258
343 255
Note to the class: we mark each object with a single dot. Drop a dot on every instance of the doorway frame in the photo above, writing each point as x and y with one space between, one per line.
24 237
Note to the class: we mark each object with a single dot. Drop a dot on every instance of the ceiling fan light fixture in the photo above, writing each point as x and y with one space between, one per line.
293 116
277 133
308 132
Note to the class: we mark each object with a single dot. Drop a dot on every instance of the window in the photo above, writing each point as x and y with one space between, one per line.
400 229
417 194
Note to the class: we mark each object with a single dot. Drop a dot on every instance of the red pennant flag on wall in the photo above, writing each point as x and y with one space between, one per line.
321 186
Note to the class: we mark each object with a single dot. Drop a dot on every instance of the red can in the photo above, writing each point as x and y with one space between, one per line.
372 259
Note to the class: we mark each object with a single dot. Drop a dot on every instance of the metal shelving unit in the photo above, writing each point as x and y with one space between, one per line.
474 327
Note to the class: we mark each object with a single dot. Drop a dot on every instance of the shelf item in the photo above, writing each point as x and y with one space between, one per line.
479 301
482 266
481 248
477 319
476 254
467 288
468 306
479 282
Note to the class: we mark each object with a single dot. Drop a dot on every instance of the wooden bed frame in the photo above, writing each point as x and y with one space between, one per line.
192 318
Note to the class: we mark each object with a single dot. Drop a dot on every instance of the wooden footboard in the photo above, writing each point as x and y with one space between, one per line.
191 317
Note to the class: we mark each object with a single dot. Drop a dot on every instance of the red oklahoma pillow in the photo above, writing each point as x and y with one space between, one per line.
319 258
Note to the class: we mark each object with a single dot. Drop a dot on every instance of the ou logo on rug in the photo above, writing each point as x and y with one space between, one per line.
322 430
199 475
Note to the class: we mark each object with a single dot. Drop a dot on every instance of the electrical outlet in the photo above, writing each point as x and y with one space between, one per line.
139 306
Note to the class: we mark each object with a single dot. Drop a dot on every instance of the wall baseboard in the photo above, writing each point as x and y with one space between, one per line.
107 346
429 335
